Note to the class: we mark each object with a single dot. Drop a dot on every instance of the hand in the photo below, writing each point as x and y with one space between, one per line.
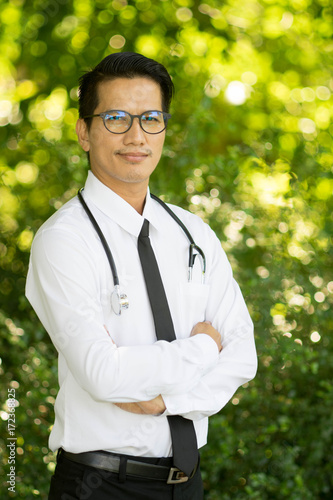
207 328
130 407
155 406
107 331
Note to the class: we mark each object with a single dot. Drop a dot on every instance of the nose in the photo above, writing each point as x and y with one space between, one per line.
135 135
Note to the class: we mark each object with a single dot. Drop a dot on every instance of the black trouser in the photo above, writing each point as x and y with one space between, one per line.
73 481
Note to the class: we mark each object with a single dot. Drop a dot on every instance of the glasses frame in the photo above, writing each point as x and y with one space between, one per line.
166 117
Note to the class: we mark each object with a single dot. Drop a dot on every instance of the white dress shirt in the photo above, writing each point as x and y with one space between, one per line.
105 358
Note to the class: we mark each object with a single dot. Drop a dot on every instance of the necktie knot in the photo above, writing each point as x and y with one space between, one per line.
144 233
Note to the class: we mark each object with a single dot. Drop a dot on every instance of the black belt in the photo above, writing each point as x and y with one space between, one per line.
105 461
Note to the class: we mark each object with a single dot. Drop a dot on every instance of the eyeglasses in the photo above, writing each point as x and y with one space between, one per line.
119 122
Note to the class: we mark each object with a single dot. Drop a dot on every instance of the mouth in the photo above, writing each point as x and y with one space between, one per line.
133 157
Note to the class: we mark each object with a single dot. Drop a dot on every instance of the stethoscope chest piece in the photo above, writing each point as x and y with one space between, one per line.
119 301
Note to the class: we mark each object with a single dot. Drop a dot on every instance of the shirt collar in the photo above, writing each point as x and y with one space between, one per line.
117 209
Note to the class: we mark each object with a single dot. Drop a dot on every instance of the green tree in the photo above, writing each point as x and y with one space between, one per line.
249 149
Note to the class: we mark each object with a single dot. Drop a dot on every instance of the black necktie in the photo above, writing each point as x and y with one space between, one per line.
184 441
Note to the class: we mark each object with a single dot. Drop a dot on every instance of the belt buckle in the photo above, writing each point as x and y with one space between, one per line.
176 476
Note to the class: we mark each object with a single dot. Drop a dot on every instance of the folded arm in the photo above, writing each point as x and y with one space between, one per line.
157 406
237 363
64 299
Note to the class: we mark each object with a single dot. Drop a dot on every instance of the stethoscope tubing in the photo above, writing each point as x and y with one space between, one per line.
121 299
102 238
193 246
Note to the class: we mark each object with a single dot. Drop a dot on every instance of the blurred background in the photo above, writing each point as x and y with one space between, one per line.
249 149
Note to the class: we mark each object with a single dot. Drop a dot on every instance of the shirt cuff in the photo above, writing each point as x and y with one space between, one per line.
208 350
196 356
176 404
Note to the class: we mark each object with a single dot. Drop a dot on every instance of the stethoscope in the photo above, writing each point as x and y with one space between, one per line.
119 301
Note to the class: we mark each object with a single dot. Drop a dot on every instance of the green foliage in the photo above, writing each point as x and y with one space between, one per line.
249 149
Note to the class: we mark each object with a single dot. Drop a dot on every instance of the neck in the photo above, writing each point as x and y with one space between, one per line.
133 193
135 198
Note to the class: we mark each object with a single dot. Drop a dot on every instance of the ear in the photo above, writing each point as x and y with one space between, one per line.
83 134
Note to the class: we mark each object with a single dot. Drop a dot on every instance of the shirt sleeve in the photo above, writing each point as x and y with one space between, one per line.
237 362
63 290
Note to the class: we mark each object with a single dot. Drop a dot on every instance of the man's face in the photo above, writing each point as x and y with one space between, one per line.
123 161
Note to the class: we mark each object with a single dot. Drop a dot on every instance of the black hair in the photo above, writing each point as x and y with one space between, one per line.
122 65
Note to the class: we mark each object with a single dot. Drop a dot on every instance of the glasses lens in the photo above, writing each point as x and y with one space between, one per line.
153 122
117 121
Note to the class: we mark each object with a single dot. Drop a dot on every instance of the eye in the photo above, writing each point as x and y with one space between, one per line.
116 116
152 117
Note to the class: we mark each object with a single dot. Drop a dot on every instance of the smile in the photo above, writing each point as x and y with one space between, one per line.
133 157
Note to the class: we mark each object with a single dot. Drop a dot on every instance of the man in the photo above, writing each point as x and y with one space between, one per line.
123 383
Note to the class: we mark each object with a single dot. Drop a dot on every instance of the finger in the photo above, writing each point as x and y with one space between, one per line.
107 331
